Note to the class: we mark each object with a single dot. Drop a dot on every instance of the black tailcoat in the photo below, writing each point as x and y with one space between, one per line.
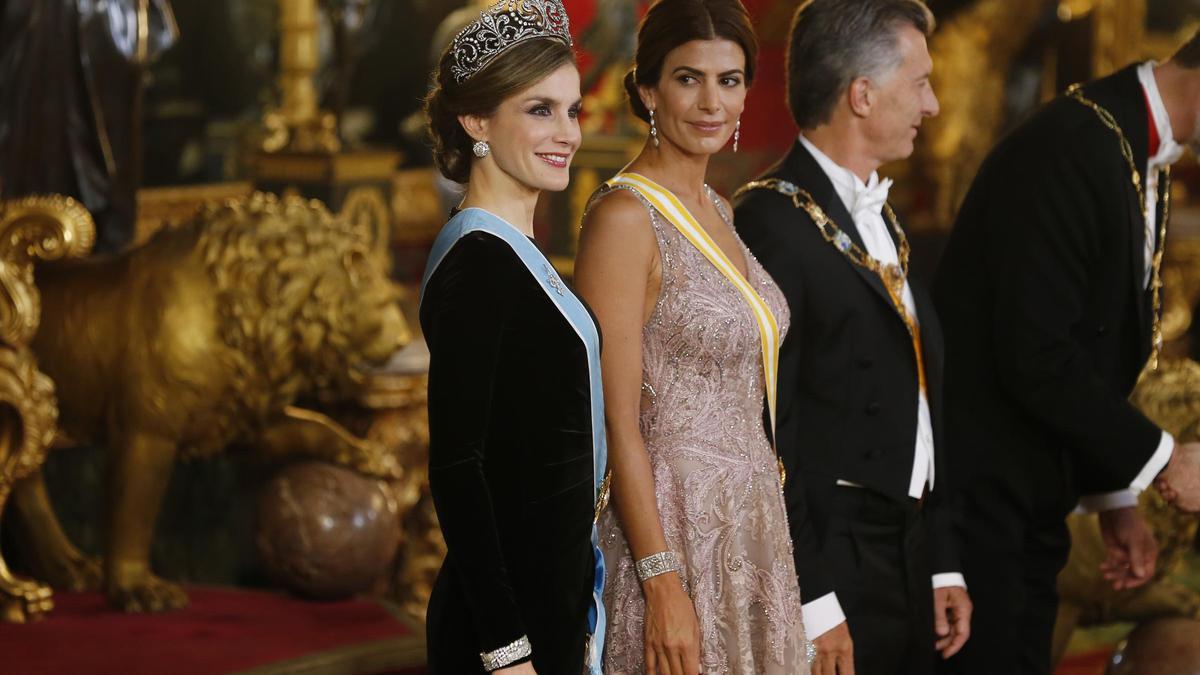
848 392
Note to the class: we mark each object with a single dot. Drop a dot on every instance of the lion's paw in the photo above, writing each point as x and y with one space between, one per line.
147 595
76 574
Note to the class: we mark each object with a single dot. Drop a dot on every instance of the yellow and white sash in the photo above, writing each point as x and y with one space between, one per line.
674 210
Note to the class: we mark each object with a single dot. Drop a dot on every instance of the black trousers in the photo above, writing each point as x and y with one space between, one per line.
882 573
1013 540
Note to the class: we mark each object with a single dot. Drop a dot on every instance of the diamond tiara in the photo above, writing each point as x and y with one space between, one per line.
504 25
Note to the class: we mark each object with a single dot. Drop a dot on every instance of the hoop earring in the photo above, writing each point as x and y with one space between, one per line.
737 133
481 149
653 129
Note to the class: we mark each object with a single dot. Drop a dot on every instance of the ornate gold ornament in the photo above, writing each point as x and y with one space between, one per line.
366 208
298 124
31 228
206 335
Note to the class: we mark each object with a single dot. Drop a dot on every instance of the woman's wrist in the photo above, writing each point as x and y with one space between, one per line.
506 655
657 564
662 584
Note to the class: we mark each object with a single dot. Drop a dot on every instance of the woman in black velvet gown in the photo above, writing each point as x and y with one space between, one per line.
515 412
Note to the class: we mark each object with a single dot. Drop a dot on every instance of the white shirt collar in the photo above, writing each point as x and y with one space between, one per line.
850 188
1168 149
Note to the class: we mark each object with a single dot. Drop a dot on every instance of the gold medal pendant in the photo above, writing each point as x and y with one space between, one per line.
893 276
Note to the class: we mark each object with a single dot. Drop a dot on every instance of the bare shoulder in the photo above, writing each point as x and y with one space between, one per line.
616 226
617 210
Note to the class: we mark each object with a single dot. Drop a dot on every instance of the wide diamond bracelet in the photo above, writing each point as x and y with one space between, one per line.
656 564
498 658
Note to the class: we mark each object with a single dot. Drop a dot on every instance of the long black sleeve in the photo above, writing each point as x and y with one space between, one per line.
463 315
1052 220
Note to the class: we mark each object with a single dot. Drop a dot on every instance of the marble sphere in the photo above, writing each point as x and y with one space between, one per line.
1168 646
326 532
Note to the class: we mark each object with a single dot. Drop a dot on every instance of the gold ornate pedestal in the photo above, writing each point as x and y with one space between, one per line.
32 228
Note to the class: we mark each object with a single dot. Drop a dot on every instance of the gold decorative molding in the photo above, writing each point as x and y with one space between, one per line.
314 167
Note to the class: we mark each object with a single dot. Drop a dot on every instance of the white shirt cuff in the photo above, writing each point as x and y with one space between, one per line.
822 615
1158 462
948 579
1107 501
1121 499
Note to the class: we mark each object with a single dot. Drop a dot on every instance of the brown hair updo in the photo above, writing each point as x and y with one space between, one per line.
518 68
671 23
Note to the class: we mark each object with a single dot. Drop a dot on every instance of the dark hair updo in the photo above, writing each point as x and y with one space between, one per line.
515 70
671 23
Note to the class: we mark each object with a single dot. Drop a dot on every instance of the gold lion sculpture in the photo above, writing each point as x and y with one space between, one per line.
205 335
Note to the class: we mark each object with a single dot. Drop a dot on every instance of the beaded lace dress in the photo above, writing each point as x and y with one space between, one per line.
715 474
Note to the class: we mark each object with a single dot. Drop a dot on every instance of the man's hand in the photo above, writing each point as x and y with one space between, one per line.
1131 548
951 619
835 652
1179 483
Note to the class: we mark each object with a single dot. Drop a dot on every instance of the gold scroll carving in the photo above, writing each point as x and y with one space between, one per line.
31 228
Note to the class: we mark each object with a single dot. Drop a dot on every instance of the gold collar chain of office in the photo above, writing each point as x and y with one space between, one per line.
1075 92
893 276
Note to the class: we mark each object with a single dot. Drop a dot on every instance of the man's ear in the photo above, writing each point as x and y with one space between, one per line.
861 96
475 126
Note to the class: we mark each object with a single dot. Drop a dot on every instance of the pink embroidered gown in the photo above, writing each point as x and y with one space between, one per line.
715 473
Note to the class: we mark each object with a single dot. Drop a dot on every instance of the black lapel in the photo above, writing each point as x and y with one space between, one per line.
801 168
1121 95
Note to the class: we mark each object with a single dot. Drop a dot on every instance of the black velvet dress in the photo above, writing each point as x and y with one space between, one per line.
510 463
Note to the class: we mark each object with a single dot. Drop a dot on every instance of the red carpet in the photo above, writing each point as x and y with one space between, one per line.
1089 663
223 631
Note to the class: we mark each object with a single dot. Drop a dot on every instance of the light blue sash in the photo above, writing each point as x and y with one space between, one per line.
479 220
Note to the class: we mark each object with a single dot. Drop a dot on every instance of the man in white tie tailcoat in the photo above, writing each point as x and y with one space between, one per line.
860 389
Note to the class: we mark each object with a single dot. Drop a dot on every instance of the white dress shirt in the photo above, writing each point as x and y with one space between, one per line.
1168 152
865 203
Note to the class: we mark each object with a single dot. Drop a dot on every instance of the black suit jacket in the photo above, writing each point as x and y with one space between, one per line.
510 463
1041 293
848 384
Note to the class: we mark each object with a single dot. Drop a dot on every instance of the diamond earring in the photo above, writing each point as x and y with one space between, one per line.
737 133
481 149
653 129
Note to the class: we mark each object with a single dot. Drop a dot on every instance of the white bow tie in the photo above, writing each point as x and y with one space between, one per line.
869 199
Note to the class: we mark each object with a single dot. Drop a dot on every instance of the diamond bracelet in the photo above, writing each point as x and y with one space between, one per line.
656 564
498 658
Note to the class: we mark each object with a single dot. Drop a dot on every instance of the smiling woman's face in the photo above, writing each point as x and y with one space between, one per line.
535 133
699 95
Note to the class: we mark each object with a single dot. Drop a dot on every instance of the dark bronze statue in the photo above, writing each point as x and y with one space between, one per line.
70 102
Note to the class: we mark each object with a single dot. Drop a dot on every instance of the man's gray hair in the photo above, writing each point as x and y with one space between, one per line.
833 42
